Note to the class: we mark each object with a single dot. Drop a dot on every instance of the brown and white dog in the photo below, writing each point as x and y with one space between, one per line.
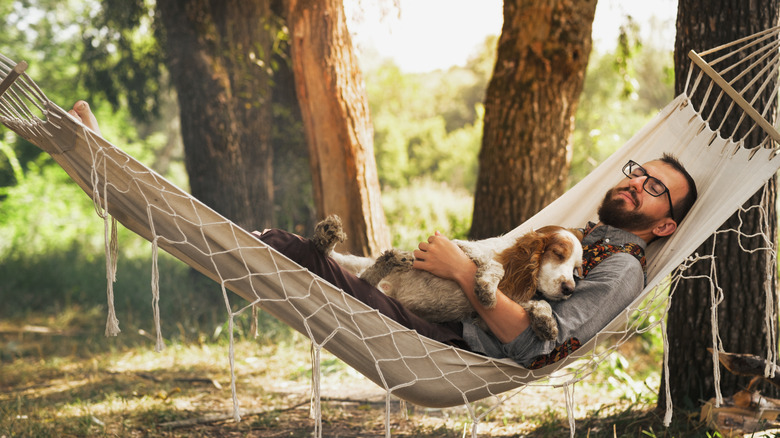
540 262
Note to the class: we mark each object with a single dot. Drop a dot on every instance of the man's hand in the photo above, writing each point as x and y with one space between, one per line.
443 258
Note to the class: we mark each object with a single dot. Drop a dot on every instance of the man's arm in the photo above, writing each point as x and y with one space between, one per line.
443 258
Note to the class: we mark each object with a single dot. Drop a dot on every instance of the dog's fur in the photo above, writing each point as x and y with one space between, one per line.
540 261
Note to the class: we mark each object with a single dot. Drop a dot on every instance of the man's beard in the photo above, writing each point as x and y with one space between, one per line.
615 211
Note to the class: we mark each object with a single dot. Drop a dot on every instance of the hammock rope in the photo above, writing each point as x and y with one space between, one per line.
399 360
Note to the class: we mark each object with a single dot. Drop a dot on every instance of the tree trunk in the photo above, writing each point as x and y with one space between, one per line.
293 198
701 25
334 106
217 52
529 111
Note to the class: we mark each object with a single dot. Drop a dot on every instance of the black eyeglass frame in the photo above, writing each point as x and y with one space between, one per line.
630 169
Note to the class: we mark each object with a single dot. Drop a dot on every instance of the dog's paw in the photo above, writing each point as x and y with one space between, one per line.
489 274
393 258
542 320
390 260
327 233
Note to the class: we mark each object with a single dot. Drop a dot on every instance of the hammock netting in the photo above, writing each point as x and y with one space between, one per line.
407 365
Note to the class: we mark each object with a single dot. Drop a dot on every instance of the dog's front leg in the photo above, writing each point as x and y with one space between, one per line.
542 320
390 261
489 274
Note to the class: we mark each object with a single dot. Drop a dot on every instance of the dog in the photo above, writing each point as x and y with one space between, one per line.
540 263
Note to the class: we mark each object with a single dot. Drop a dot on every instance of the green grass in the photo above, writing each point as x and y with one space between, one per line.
83 384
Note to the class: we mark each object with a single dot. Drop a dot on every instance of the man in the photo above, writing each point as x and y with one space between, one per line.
647 205
643 207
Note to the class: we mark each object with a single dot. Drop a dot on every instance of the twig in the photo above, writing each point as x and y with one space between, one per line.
180 379
37 329
224 417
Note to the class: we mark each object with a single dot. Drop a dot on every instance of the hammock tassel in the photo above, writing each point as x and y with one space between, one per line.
232 354
667 385
770 313
159 345
316 406
112 323
568 392
253 324
716 296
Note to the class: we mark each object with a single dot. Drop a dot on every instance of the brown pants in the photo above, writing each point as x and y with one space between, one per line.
303 252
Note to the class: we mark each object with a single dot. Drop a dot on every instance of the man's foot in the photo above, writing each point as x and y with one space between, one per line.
83 114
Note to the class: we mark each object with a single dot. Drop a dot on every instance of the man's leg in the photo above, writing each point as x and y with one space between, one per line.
303 252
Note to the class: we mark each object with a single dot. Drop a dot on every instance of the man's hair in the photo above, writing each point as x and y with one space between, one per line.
683 206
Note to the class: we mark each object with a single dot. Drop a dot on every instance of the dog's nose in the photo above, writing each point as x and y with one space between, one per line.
567 289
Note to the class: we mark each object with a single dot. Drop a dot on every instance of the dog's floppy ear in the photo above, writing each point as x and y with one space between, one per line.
521 265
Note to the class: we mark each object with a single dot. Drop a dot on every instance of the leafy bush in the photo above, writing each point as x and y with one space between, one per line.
606 117
427 125
416 211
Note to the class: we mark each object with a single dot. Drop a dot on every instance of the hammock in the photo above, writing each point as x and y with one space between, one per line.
405 364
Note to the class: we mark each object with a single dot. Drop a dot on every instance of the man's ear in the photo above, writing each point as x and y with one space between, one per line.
665 227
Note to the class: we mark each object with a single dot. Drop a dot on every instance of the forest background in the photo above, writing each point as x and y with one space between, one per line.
427 134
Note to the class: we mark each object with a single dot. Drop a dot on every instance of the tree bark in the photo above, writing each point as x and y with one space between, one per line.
701 25
334 106
530 104
217 52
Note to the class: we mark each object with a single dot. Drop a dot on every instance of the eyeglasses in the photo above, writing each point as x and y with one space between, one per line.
652 185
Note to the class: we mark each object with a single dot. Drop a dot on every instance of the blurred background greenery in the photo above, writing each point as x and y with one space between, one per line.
428 129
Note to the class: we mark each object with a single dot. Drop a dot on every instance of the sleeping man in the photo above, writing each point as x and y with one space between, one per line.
648 204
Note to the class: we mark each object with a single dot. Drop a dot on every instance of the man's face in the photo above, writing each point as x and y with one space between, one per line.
628 206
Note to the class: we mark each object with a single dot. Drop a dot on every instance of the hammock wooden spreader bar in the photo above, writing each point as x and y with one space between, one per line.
12 75
734 94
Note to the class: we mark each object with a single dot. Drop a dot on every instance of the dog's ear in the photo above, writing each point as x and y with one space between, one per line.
521 266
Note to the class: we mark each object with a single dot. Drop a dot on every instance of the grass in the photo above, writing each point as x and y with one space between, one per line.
76 383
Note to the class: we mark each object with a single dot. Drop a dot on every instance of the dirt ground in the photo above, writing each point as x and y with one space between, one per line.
185 390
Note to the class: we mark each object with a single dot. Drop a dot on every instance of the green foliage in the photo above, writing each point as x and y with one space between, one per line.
44 33
9 161
121 58
626 52
429 124
425 206
608 115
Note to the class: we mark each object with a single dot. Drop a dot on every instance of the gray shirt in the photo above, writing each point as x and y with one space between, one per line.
598 298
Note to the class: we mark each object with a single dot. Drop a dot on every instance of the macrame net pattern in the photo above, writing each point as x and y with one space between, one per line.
407 365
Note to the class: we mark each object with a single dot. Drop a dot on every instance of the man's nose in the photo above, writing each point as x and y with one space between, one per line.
637 182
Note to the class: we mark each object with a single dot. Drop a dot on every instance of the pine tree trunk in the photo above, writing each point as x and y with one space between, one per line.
529 111
701 25
217 53
334 106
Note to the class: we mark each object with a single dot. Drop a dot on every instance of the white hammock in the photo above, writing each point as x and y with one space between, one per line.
405 364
